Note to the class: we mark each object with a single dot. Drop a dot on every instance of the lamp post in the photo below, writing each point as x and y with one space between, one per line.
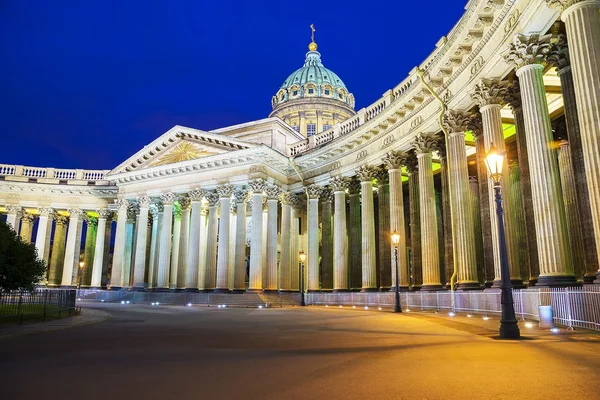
302 257
396 241
509 329
81 264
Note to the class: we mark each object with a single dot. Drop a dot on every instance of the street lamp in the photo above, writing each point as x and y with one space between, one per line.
396 241
81 264
302 256
509 329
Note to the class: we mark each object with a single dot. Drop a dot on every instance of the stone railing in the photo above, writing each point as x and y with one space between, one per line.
53 175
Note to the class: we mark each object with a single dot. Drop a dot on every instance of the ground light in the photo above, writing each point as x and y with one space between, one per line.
326 306
528 325
259 306
554 330
486 318
379 308
340 306
189 304
451 314
469 315
366 307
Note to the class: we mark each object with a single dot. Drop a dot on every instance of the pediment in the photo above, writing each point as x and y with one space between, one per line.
180 144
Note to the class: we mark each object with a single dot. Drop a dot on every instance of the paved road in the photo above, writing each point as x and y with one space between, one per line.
144 352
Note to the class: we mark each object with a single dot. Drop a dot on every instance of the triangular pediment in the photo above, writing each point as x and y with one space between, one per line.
180 144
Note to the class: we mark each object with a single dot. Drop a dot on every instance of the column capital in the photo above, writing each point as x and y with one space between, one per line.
46 211
526 50
27 217
366 173
14 209
490 91
394 159
185 202
91 221
132 213
240 195
354 185
177 211
457 121
513 97
61 220
168 198
326 194
558 55
156 208
562 5
75 212
122 203
286 198
104 213
440 144
225 190
296 201
411 162
424 143
313 191
383 178
212 198
339 183
196 194
233 207
273 192
144 201
258 185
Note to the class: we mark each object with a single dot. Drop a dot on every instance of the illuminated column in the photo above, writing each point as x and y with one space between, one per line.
232 235
559 57
88 253
58 251
258 186
366 174
184 239
224 192
42 239
424 145
354 234
393 161
286 232
416 264
96 281
273 193
239 275
27 221
384 244
518 214
462 219
326 200
302 116
295 239
73 246
476 212
556 267
445 225
203 245
164 247
119 251
340 241
156 210
175 245
583 30
312 254
265 217
132 215
193 253
140 248
13 217
210 277
489 94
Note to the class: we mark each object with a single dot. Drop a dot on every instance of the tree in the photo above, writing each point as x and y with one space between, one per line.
20 267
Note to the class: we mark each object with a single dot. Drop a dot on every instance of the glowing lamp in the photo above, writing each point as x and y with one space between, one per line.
302 256
395 238
494 161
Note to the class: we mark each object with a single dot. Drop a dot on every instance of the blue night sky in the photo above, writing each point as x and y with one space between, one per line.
85 84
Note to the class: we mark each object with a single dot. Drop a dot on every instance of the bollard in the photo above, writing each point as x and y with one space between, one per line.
546 317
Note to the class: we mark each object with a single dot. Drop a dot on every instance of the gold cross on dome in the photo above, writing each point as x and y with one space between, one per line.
312 35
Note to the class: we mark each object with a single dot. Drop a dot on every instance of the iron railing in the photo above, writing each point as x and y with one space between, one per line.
40 304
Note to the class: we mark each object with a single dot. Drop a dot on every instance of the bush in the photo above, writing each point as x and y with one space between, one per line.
20 267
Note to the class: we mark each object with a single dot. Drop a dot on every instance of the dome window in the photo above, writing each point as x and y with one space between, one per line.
325 77
311 91
295 93
282 96
340 96
327 92
311 129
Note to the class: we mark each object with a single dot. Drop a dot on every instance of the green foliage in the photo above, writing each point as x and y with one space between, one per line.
20 267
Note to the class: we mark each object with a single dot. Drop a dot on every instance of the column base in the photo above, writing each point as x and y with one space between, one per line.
114 288
369 290
431 288
401 289
591 278
517 283
468 286
161 290
385 289
68 287
497 284
191 290
340 291
533 282
557 281
415 288
137 289
95 288
488 284
271 291
597 281
220 290
238 291
254 290
313 291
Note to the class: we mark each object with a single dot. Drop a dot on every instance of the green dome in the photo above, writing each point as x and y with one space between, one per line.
313 80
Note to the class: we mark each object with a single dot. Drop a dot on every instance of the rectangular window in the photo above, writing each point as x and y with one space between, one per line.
327 92
326 126
295 93
311 129
310 91
296 128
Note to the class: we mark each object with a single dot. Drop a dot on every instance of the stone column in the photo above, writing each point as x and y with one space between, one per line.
384 234
567 179
140 248
175 246
476 215
88 252
489 94
424 145
445 227
285 267
416 265
583 29
232 235
273 193
340 240
265 221
513 97
13 217
58 251
132 216
42 239
73 246
184 239
96 281
457 123
354 234
224 192
157 213
294 240
203 246
556 267
484 201
164 246
212 228
27 221
394 160
326 199
518 216
312 253
193 252
559 57
119 250
239 275
258 186
366 174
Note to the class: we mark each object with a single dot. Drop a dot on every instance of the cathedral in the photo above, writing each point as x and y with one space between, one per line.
230 210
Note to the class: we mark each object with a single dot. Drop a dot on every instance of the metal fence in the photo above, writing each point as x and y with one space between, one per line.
572 307
41 304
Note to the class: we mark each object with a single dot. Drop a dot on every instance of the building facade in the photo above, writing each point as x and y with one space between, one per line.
230 209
